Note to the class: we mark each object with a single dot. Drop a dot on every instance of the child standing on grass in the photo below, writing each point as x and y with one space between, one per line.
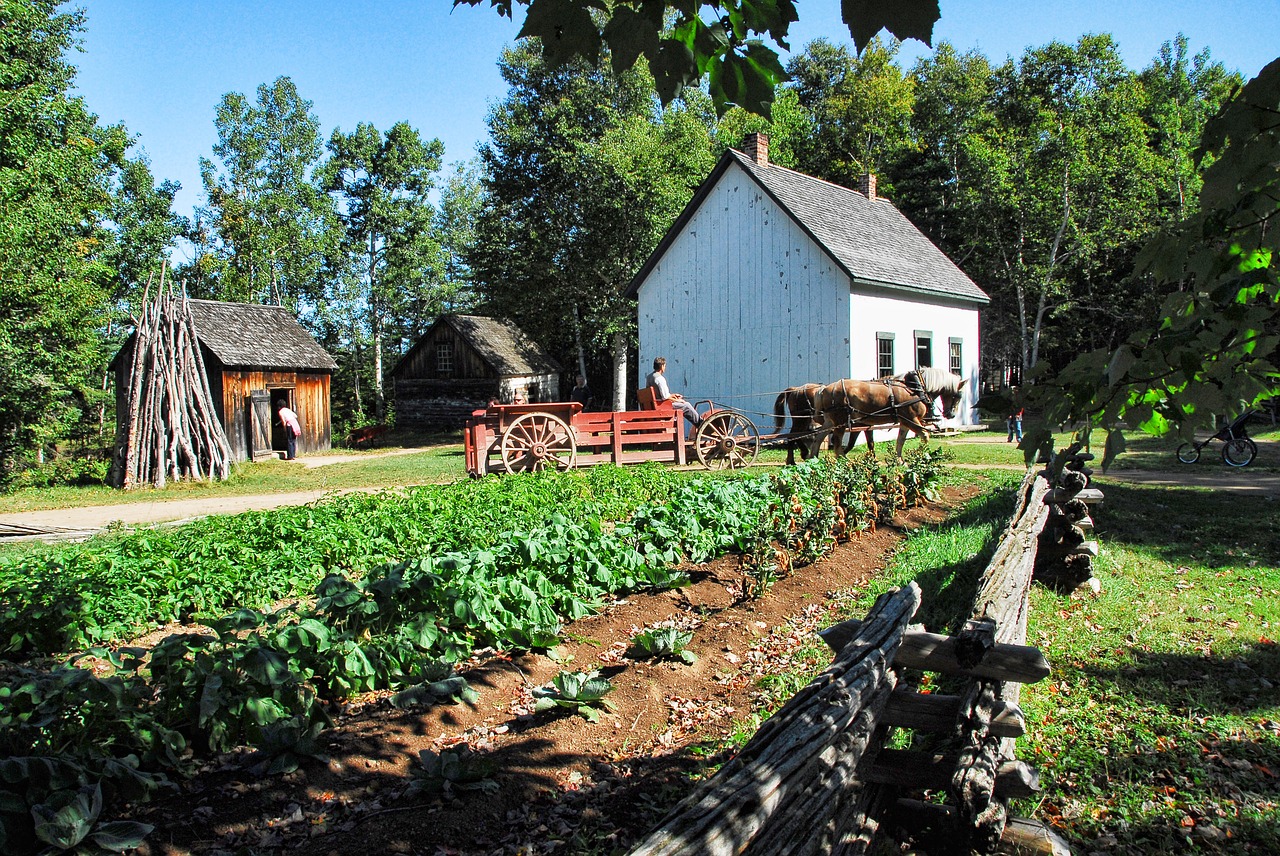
1015 426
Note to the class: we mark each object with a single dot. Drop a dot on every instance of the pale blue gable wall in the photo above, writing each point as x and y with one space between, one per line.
743 303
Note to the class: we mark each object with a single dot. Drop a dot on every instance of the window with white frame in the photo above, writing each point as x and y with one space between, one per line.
924 348
444 357
955 356
884 354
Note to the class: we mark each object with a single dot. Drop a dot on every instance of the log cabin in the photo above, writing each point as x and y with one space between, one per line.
462 363
255 356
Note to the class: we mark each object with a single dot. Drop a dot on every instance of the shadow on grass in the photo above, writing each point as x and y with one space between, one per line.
1191 526
1201 788
1201 685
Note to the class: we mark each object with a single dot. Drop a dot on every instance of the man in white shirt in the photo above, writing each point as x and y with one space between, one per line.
662 392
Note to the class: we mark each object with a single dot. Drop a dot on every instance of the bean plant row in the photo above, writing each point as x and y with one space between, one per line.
114 587
72 740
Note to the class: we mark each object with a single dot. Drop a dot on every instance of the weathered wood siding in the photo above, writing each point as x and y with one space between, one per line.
467 364
449 403
744 304
308 396
874 310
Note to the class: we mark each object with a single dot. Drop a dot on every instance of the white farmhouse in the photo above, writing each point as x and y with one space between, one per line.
771 278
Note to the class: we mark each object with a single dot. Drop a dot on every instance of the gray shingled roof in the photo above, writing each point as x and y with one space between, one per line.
503 345
248 335
869 238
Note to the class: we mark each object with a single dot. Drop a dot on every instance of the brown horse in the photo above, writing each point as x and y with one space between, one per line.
803 435
907 401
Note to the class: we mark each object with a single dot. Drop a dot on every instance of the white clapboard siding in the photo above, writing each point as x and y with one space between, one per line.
875 310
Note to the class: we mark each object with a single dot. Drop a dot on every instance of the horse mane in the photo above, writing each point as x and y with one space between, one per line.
937 381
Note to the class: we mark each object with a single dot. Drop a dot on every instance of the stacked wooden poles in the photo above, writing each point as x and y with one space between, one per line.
168 429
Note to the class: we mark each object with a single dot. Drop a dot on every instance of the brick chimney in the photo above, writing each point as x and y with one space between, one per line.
867 185
756 147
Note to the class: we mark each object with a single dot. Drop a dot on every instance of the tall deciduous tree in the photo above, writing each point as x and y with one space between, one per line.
271 220
381 182
461 201
582 176
860 108
1213 348
1060 172
144 227
55 172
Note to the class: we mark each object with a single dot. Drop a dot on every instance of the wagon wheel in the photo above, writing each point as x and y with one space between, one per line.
535 441
726 440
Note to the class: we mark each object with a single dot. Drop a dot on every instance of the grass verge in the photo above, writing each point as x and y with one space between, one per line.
1159 730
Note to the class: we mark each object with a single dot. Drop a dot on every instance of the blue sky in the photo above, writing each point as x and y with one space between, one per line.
161 66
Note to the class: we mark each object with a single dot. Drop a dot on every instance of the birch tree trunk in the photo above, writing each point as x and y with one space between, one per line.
618 343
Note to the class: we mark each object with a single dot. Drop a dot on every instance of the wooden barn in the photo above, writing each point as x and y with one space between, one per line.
255 356
772 278
462 363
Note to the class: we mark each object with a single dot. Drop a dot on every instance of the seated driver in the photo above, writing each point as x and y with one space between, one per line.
662 392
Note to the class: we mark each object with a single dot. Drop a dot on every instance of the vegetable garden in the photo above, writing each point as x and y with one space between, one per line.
383 593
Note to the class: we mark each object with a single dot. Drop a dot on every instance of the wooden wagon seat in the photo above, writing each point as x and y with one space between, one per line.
647 396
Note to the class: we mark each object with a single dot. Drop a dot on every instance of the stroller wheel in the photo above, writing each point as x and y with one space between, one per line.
1188 453
1239 452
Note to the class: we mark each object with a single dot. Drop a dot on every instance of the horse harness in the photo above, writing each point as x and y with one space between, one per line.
916 389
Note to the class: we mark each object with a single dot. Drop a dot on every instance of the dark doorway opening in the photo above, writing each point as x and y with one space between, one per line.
285 394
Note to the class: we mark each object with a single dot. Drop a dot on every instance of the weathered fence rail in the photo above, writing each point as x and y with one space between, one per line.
817 777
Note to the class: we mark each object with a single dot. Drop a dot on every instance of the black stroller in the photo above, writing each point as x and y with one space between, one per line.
1237 449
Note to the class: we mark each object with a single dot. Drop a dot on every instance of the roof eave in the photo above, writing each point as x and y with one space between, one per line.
920 289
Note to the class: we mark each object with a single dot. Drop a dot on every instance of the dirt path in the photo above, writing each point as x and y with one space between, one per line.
75 522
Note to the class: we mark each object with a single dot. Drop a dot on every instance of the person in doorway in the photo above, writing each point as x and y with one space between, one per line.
518 397
1015 426
661 392
581 393
292 429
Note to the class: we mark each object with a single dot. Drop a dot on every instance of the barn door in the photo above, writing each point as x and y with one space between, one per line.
259 414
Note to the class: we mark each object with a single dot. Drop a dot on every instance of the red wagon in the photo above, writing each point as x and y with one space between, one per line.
514 438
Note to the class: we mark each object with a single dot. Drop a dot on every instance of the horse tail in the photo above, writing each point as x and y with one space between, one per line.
779 410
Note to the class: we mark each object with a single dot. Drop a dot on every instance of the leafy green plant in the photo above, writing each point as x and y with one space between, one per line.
285 743
259 679
664 643
580 692
68 823
458 769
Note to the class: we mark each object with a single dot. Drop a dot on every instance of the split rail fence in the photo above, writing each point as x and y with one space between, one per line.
818 777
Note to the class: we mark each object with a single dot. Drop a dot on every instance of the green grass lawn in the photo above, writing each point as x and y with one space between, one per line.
1159 729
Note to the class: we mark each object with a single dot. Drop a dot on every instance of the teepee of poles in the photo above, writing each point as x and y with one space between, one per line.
168 429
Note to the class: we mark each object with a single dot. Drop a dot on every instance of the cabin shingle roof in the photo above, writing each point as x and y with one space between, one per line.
249 335
870 239
503 345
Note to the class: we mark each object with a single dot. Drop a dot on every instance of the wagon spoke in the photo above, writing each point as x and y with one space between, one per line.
726 440
538 440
